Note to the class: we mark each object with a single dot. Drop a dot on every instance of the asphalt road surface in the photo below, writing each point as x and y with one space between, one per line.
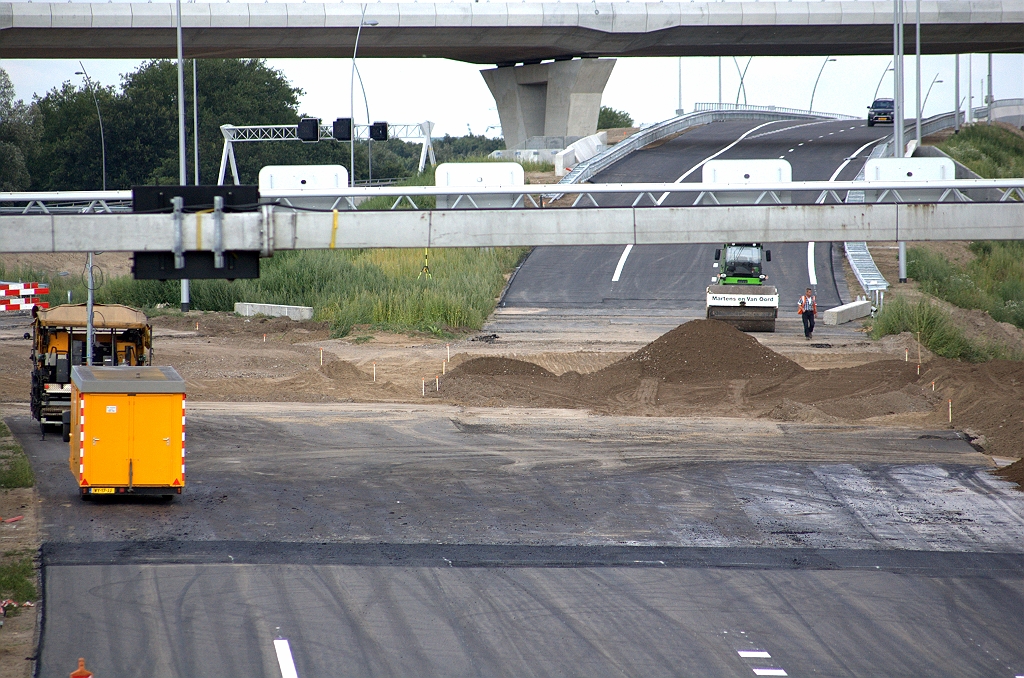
674 277
435 540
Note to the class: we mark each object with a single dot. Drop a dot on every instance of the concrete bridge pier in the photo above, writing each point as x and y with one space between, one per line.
548 105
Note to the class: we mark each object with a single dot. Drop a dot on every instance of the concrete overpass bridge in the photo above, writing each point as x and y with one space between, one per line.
500 33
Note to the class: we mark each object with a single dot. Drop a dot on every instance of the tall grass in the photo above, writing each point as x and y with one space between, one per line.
993 281
16 582
939 333
378 287
991 151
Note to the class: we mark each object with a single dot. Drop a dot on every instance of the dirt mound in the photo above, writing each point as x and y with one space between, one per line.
1014 473
493 367
344 371
708 350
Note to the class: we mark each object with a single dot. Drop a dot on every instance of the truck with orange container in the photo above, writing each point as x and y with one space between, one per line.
127 430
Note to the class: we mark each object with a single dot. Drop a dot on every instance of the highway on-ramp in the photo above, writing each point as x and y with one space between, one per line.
675 277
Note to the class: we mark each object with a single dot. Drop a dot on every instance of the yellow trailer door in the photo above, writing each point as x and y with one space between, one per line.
156 455
107 443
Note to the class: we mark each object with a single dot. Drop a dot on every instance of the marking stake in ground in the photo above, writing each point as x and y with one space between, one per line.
375 373
321 357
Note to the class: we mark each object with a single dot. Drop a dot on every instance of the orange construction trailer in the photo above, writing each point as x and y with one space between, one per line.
127 430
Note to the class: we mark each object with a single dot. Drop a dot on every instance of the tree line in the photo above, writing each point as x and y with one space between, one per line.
53 143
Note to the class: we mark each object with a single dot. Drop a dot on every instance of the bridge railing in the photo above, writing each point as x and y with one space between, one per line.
652 195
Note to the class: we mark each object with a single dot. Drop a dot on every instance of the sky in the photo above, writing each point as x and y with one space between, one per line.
453 94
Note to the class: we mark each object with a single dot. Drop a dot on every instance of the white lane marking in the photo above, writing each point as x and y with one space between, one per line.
770 672
781 157
786 129
800 144
755 654
851 158
284 659
811 275
792 149
715 155
622 262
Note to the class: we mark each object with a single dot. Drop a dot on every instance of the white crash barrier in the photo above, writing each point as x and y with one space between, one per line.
275 310
847 312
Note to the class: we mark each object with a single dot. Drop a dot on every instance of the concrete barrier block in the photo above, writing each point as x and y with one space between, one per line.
275 310
847 312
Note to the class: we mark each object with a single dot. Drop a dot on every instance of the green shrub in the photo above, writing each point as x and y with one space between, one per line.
939 333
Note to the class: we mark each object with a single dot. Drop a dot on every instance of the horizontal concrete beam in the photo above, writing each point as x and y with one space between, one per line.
529 227
499 33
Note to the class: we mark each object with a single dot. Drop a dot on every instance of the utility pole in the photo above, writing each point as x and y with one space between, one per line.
195 118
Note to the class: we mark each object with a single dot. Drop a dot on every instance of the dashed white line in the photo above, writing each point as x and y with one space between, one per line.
753 654
769 672
284 659
715 155
622 262
781 157
790 150
800 144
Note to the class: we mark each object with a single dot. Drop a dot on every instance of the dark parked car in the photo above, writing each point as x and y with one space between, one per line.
880 111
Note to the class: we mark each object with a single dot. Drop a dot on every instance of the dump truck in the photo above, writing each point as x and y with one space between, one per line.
122 336
738 293
127 430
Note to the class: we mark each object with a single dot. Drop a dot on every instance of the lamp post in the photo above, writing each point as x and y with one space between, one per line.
879 86
352 93
103 143
928 93
743 75
810 107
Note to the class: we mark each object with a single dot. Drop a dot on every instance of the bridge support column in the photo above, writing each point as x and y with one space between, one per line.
548 105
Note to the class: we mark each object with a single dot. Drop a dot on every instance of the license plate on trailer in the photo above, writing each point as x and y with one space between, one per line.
102 490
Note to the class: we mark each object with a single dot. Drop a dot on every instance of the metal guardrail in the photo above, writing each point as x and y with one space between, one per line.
702 107
640 195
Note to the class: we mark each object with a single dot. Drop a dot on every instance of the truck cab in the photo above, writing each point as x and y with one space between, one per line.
122 336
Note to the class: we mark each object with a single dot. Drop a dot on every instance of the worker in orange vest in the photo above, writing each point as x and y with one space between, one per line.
808 308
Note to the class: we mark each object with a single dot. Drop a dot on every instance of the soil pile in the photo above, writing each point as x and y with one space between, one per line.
493 367
703 351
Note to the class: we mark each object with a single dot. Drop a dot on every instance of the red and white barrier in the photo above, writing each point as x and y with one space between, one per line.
22 296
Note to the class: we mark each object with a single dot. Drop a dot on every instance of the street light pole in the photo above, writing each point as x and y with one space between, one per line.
924 104
956 98
917 79
103 142
90 323
810 107
352 94
182 149
879 86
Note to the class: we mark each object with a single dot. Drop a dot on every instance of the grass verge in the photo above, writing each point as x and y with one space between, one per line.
15 470
993 281
990 151
939 332
17 580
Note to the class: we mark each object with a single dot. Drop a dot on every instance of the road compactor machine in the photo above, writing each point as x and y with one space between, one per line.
739 294
122 336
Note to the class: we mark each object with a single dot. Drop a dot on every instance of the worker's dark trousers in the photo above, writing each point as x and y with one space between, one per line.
808 323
